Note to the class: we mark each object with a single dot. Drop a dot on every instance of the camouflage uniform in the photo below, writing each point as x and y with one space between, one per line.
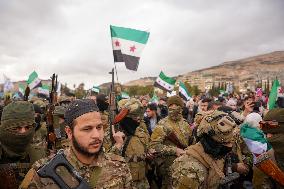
38 146
196 168
109 172
260 179
15 161
105 119
59 128
136 145
164 147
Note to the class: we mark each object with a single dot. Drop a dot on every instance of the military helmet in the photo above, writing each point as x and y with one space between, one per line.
199 116
218 125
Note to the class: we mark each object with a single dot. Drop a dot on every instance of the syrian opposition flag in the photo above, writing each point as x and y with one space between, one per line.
273 94
95 89
154 99
128 45
164 82
34 81
280 92
22 89
44 89
183 92
255 140
124 95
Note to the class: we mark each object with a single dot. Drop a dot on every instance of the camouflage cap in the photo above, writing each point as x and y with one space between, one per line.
133 105
18 113
59 110
218 125
175 100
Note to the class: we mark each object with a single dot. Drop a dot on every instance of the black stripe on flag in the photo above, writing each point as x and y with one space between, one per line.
156 84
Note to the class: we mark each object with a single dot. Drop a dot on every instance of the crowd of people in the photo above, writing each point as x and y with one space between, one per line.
205 142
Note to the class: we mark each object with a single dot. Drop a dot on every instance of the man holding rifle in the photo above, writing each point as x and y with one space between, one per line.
88 163
169 139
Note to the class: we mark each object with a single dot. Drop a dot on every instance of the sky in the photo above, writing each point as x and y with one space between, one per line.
72 38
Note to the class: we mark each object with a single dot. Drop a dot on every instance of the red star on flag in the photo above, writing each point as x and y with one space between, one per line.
117 43
132 49
280 90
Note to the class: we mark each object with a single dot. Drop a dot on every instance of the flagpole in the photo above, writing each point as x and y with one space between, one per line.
116 72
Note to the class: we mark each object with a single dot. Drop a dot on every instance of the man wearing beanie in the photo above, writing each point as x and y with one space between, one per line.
169 139
85 154
16 132
202 165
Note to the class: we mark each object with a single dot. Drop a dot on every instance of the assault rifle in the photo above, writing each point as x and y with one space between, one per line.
230 177
51 137
49 171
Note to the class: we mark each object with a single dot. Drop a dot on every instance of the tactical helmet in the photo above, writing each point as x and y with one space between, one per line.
218 125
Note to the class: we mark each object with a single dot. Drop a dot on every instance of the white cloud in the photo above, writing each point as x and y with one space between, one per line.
72 38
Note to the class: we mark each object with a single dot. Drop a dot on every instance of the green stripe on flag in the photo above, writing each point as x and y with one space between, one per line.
167 79
273 95
47 87
129 34
32 77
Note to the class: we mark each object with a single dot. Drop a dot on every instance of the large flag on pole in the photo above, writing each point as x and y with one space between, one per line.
183 92
33 80
8 85
128 45
164 82
273 94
